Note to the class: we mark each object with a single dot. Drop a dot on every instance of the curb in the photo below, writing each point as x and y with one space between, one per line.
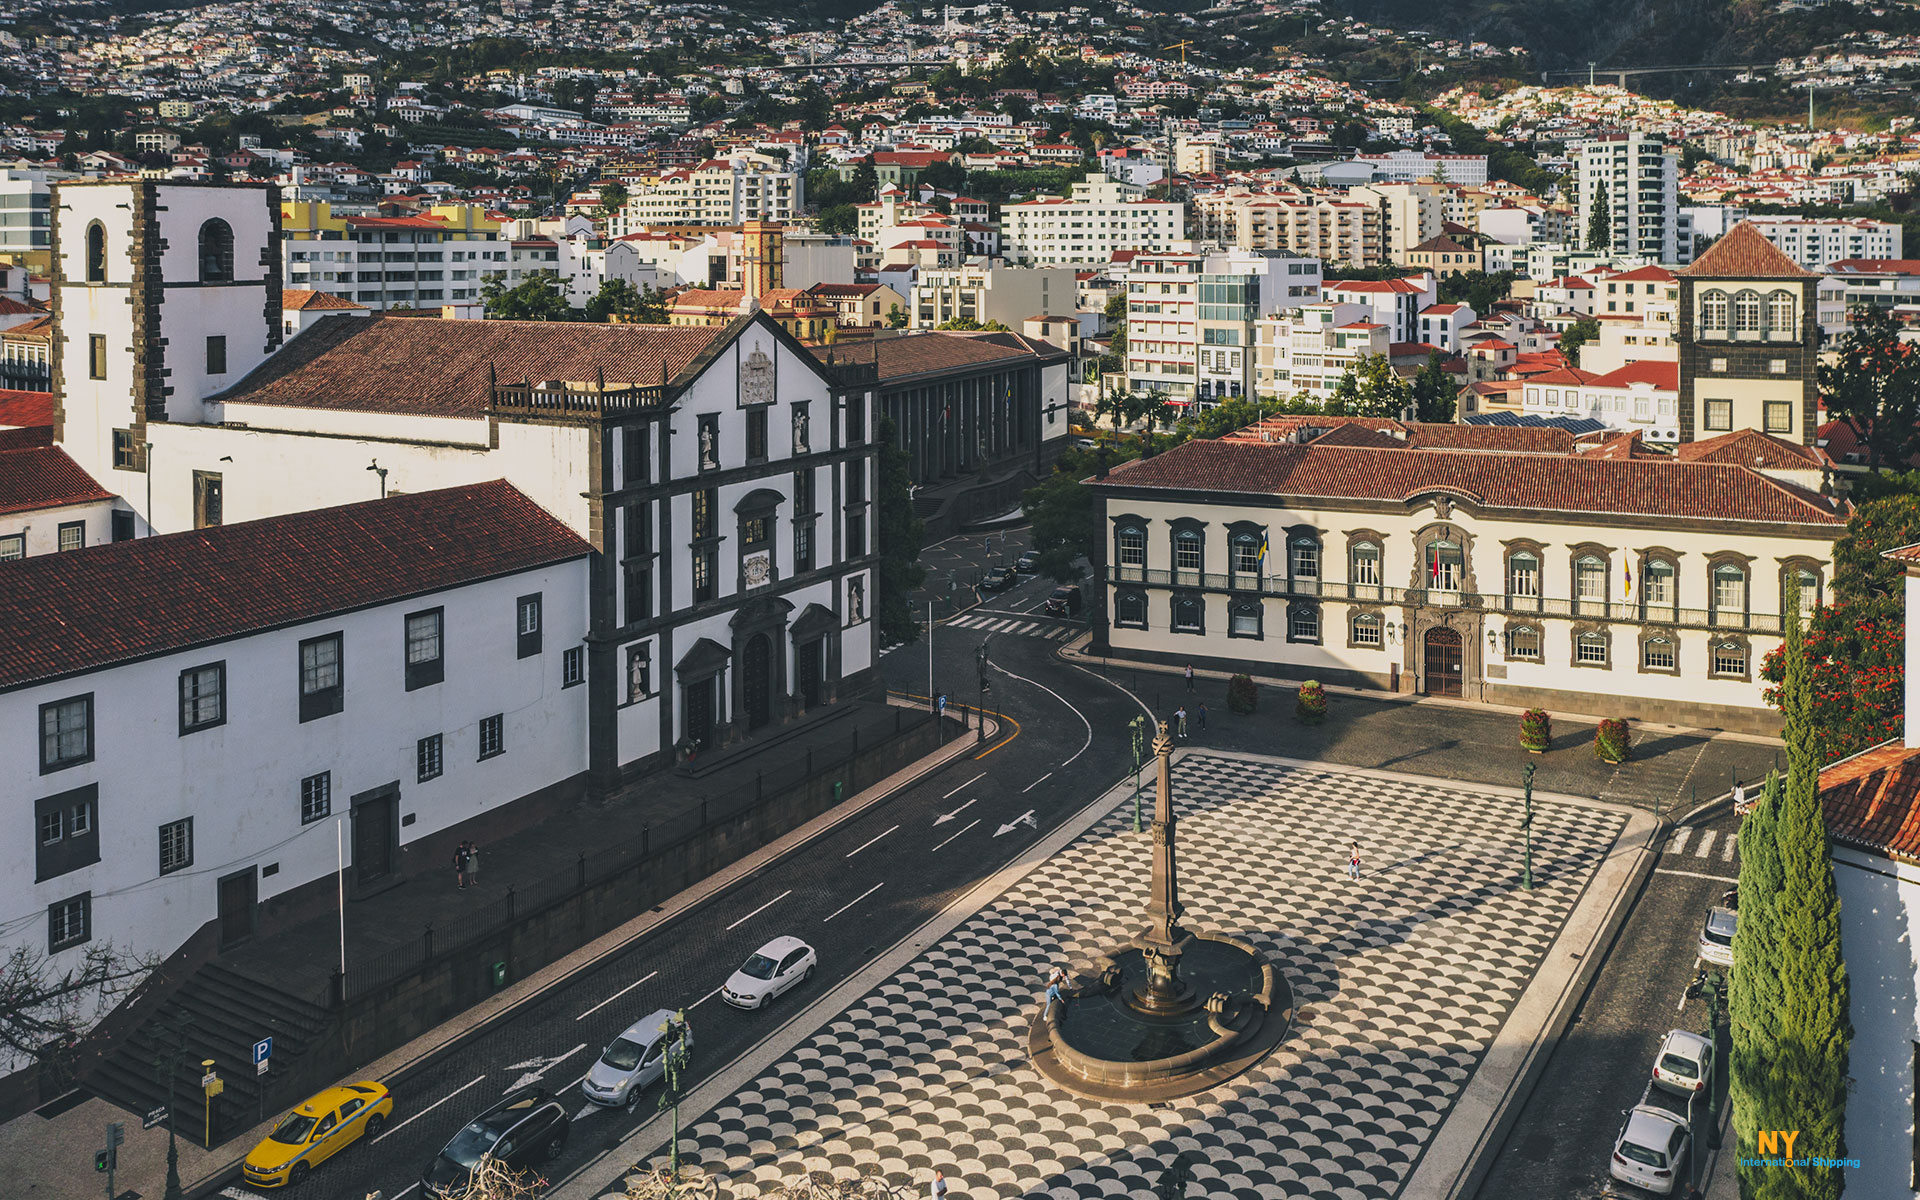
538 985
1493 1138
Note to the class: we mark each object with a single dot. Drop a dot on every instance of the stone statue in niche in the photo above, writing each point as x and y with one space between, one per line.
800 445
706 447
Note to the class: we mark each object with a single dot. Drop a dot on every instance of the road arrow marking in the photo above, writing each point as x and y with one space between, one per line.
1025 818
536 1068
943 818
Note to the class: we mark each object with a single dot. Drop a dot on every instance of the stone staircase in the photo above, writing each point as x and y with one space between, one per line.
217 1014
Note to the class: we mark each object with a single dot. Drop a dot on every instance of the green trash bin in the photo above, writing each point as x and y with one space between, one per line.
837 785
499 974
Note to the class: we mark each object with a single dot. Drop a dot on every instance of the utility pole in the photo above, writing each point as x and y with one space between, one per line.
1590 67
930 699
1138 727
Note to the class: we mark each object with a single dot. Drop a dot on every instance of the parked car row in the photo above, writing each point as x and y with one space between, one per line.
528 1126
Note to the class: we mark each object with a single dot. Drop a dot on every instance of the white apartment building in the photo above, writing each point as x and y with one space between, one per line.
436 260
1304 351
1191 318
1394 303
1411 166
984 293
1815 243
1850 285
1100 216
1410 214
423 672
1311 225
1640 397
1639 178
748 187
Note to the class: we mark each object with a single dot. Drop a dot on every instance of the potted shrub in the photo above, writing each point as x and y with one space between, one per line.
1311 704
1612 740
1536 730
1242 695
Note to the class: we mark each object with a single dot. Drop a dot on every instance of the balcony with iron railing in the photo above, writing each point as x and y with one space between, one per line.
573 399
1631 612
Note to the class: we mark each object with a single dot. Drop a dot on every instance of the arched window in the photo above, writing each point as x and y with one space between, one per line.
1729 594
1364 569
1781 315
1657 653
1444 565
1243 619
1188 614
1523 576
1366 630
1188 552
96 253
1657 584
216 252
1523 643
1746 313
1130 551
1590 650
1713 312
1728 660
1245 549
1590 580
1303 557
1130 608
1303 621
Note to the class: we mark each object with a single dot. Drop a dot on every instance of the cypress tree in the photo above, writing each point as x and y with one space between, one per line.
1816 1029
1600 220
1755 1005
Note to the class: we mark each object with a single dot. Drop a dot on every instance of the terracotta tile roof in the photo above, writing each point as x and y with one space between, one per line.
36 474
1745 253
26 410
9 307
1358 435
1904 554
1644 275
1872 800
1504 439
1528 483
924 353
1614 444
1664 376
1751 448
127 600
39 329
439 368
309 300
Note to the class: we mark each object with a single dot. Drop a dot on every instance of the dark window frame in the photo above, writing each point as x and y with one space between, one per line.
427 671
573 666
220 698
318 786
96 356
757 435
527 642
322 701
216 251
216 354
66 527
95 266
1238 608
429 758
1297 608
69 848
498 724
48 765
162 848
56 944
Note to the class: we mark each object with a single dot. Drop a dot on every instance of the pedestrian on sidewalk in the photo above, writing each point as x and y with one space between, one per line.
939 1189
460 865
1180 719
1053 993
1353 861
1189 677
1203 714
473 864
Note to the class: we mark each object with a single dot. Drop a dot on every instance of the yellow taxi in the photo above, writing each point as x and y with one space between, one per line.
316 1131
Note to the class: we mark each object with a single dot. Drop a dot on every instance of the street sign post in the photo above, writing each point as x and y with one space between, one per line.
262 1055
154 1117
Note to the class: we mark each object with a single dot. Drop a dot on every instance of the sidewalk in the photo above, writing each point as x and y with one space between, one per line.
51 1157
1670 771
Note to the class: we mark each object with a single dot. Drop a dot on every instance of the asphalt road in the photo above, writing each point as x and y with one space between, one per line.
1561 1144
851 894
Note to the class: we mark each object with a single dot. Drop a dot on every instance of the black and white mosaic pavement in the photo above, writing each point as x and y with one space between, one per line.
1401 979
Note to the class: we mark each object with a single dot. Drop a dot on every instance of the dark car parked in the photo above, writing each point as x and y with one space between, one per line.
999 579
1065 601
526 1127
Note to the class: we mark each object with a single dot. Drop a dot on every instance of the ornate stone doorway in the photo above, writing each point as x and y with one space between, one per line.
1443 661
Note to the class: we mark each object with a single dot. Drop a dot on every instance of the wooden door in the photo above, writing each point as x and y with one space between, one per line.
373 838
1443 663
238 893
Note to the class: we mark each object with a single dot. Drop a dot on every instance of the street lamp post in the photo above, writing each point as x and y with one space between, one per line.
1527 877
1138 728
984 688
675 1064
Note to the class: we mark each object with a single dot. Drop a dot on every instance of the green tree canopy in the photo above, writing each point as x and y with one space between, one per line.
535 299
1599 221
1370 388
1577 335
1433 391
1873 384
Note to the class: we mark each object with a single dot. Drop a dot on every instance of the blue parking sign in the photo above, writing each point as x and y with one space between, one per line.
262 1050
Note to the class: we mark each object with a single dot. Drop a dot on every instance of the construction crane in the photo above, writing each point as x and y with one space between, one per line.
1182 48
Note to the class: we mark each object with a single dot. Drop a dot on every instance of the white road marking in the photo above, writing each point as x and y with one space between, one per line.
702 1000
1025 818
1706 844
1036 783
943 818
235 1193
1695 875
536 1068
868 842
1726 849
390 1130
1029 627
1000 626
610 999
857 899
1679 841
764 907
963 829
1062 699
963 787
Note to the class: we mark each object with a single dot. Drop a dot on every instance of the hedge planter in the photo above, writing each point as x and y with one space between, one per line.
1536 730
1243 695
1612 740
1310 706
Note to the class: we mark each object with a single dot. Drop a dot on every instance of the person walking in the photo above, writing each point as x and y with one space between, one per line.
1203 714
473 864
1189 677
938 1190
1180 721
460 865
1353 861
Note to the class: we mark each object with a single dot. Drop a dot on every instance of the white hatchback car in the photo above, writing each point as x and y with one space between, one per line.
1716 936
632 1061
1684 1063
1650 1150
778 966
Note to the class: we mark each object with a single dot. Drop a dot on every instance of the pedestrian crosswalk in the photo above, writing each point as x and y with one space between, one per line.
1016 626
1710 844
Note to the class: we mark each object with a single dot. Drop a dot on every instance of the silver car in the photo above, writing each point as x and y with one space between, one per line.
1650 1149
1684 1062
1716 936
632 1061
